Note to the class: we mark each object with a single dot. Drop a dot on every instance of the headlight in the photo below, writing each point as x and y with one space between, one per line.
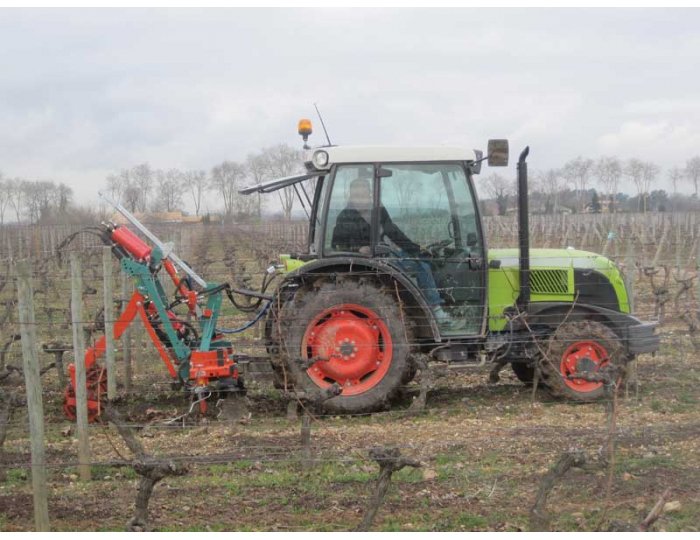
320 159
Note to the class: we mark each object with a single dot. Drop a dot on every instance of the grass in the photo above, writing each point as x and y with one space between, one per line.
685 519
16 477
99 472
638 464
208 527
468 521
230 468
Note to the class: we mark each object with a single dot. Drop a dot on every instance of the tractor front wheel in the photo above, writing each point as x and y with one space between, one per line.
348 333
580 347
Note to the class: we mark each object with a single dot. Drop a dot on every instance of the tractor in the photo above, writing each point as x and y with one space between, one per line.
397 268
396 273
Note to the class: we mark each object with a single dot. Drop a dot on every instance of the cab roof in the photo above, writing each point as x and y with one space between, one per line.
373 154
365 154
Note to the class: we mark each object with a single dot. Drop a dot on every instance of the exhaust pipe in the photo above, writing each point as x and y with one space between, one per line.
523 232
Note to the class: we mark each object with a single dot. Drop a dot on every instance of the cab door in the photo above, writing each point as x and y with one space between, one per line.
433 205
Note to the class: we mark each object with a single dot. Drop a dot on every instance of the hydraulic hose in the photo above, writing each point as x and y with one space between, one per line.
267 280
96 231
247 325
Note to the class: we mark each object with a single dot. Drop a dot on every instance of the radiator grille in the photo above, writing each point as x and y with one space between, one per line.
549 281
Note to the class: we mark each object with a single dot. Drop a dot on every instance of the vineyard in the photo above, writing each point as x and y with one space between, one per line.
482 454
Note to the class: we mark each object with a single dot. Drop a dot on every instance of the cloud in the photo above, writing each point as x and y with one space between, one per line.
86 92
659 141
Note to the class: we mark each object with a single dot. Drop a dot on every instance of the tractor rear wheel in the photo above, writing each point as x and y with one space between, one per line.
354 331
580 347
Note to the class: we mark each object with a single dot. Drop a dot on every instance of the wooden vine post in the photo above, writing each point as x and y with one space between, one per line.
126 336
109 322
81 412
35 407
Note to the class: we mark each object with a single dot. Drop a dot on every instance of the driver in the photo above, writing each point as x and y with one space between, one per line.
352 232
352 229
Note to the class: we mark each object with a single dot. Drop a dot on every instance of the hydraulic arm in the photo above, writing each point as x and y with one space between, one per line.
190 345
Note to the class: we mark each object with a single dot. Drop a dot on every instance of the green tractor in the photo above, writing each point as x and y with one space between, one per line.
397 268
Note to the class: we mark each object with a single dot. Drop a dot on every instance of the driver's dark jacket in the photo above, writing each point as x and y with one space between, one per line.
352 231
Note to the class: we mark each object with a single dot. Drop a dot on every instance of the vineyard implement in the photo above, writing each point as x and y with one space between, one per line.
195 352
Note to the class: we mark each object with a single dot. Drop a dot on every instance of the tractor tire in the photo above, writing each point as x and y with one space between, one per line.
355 328
524 372
579 346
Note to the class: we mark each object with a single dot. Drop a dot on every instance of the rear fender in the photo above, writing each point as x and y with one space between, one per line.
338 267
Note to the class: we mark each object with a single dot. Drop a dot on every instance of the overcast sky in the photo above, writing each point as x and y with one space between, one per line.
87 92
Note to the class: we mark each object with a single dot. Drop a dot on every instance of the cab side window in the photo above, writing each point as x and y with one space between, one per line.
348 222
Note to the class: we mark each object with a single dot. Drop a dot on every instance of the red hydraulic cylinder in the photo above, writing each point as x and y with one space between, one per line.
132 243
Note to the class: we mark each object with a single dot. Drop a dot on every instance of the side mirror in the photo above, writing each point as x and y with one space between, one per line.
472 239
498 152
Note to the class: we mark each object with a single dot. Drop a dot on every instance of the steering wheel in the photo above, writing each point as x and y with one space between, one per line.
434 249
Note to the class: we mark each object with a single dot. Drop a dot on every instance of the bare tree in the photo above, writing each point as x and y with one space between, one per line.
169 190
608 170
675 175
692 172
283 160
39 200
649 173
64 196
48 199
118 183
500 189
32 200
131 197
578 172
259 170
196 183
634 169
226 179
552 182
4 196
16 197
142 179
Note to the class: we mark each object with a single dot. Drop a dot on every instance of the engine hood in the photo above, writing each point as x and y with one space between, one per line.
553 258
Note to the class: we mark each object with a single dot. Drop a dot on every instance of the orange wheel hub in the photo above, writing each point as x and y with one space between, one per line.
353 347
583 356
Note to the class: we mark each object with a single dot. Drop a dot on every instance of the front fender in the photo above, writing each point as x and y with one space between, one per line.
636 335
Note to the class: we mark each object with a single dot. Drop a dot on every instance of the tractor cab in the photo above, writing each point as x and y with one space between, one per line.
412 210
